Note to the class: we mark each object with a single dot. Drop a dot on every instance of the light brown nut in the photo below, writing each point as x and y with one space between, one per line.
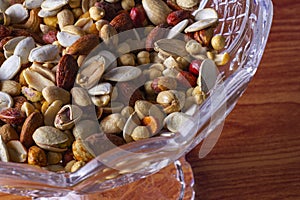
127 4
109 35
8 133
101 101
85 128
143 57
96 13
17 152
113 123
164 83
127 59
12 88
54 157
37 156
77 165
66 72
140 132
36 80
32 122
65 17
80 97
28 108
52 110
84 45
122 22
69 165
52 93
81 152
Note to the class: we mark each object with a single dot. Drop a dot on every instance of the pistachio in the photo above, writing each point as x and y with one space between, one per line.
80 96
171 100
67 116
50 138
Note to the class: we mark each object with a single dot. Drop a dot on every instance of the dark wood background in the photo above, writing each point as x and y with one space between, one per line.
258 153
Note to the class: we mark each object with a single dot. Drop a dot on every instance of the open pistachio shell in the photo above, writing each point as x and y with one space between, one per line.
67 116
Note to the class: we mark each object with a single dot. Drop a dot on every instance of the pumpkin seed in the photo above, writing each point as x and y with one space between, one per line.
123 74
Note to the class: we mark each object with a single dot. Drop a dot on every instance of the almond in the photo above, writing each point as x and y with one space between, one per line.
122 22
33 121
84 45
66 72
156 34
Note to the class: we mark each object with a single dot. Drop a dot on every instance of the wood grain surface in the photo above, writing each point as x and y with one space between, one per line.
258 153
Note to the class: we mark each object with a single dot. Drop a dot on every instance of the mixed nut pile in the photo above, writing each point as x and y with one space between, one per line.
79 77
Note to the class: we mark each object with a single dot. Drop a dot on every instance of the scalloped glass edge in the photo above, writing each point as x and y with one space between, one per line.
149 156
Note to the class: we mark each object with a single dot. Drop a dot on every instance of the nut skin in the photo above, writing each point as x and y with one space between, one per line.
37 156
66 72
32 122
129 93
186 79
122 22
50 37
18 101
156 34
84 45
177 16
138 16
111 9
204 36
173 5
80 152
12 116
4 31
194 67
8 133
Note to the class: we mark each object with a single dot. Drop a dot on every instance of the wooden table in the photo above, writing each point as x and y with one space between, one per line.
258 153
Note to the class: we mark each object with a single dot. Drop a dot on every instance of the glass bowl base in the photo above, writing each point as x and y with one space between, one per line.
174 182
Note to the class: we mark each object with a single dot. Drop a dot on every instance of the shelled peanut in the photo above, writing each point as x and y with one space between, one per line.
72 86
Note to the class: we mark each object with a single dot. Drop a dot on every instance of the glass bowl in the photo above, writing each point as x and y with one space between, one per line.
246 25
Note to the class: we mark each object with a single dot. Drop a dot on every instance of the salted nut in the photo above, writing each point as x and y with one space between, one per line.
50 138
73 86
67 116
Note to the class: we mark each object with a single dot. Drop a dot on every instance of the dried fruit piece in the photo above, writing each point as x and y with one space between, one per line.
122 22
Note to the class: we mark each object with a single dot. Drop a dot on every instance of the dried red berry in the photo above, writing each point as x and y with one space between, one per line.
177 16
138 16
